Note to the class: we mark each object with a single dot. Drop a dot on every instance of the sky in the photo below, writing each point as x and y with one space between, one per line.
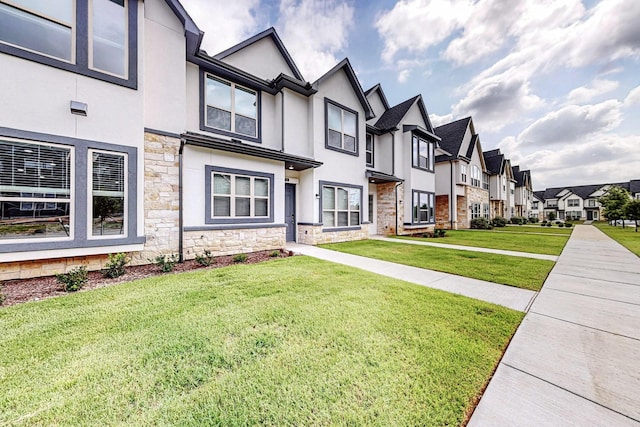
555 84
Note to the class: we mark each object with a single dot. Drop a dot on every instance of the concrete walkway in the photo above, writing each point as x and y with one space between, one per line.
507 296
575 359
468 248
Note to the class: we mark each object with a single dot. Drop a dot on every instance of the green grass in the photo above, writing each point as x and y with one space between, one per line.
627 236
293 341
554 229
531 243
526 273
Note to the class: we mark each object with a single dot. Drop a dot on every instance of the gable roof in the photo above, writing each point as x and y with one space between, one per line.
193 34
634 186
394 115
383 97
539 195
271 33
355 84
494 161
452 135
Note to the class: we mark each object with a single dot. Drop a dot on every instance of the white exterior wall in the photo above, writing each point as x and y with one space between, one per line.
297 129
262 59
376 105
383 153
443 178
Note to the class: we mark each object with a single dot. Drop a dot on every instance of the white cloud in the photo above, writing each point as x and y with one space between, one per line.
587 93
240 22
315 31
437 120
633 98
403 75
572 124
416 25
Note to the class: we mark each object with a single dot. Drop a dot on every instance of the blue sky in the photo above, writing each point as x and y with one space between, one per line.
555 84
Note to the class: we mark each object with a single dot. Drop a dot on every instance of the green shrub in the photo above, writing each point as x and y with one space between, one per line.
568 225
549 224
3 298
439 232
560 225
481 224
533 219
499 221
205 259
558 222
274 254
74 280
166 263
518 220
543 223
115 266
240 258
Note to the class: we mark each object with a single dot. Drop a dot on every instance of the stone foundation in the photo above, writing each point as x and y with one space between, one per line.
386 209
229 242
49 267
313 235
442 212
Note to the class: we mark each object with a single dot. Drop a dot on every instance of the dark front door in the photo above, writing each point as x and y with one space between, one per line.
290 211
590 215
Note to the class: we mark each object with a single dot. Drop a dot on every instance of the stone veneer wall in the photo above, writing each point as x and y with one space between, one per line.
386 208
161 197
228 242
473 195
442 212
313 235
49 267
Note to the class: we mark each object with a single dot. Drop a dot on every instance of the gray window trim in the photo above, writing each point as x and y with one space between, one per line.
208 219
81 65
373 150
203 121
80 170
356 153
433 219
338 184
431 147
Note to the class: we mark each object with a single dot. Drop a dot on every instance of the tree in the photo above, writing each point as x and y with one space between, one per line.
632 211
614 202
551 216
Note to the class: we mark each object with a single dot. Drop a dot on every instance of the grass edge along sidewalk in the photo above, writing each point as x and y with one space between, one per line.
295 341
627 236
525 273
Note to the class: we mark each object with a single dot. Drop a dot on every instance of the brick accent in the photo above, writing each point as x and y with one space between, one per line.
228 242
313 235
49 267
442 212
386 209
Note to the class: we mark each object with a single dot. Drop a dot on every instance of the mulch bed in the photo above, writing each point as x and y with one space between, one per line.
39 288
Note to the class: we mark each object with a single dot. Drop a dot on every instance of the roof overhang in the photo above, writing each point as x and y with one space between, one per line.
381 178
291 161
421 131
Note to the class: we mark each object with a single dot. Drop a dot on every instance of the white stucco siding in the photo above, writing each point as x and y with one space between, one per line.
308 204
296 124
443 178
195 160
413 117
270 122
164 69
383 154
376 105
262 59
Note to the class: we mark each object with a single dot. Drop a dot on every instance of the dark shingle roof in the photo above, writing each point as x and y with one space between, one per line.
452 135
494 161
634 186
539 195
394 115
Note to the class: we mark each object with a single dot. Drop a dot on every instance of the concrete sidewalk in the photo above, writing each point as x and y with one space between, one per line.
468 248
507 296
575 359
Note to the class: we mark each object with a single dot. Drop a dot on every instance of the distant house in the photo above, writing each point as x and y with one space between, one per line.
523 192
501 184
537 205
462 179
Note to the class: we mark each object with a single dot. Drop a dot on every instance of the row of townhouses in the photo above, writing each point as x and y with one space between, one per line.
577 202
119 134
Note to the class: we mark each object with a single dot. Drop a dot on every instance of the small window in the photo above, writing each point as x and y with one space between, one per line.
342 128
485 210
573 203
463 173
108 38
340 206
230 107
108 200
475 176
485 181
369 150
423 207
422 153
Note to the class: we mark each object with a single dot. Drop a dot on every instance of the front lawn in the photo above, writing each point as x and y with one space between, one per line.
536 229
531 243
626 236
294 341
520 272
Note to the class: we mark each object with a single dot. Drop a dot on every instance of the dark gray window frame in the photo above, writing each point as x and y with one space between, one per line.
415 163
203 120
373 150
81 65
328 101
321 184
209 219
432 220
81 194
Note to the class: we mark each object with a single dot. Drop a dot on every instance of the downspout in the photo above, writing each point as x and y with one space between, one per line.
282 119
393 153
183 141
451 196
396 190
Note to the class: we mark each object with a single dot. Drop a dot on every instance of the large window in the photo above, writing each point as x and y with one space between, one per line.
423 207
422 153
342 128
369 150
91 37
238 196
108 201
475 176
485 210
230 107
475 210
573 203
35 190
341 206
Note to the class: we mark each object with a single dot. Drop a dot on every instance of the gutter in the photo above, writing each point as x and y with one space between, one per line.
451 196
183 141
396 190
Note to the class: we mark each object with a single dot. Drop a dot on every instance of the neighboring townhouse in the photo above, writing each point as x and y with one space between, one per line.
400 158
135 140
501 184
462 181
537 205
523 192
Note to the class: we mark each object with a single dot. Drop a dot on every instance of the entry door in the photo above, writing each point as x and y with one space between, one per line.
290 211
373 226
589 215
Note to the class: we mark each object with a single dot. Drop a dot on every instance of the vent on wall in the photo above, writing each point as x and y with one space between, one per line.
78 108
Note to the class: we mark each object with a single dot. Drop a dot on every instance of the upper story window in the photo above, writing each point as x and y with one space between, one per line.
591 203
512 188
475 176
463 173
91 37
369 150
422 153
534 205
573 203
342 128
485 181
231 107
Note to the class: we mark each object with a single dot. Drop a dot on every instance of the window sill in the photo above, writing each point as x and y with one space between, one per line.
30 253
341 150
338 229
